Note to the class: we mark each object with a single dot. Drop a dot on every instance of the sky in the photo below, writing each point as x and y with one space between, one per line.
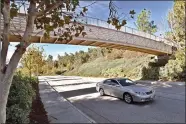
159 11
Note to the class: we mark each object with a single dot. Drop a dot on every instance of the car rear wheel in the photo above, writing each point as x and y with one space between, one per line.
101 91
127 98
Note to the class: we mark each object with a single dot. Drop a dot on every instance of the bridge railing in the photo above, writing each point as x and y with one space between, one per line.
103 23
20 25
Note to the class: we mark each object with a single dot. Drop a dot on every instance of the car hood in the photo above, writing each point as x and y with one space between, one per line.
139 88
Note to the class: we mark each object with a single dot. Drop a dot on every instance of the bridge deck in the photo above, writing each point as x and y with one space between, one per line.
101 35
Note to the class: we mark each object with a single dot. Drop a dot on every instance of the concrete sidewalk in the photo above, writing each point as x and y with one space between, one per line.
58 109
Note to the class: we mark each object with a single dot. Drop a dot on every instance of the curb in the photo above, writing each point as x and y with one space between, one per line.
160 82
90 119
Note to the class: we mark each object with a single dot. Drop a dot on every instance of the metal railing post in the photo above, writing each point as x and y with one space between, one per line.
86 20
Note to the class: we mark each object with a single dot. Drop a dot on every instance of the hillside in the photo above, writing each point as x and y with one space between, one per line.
130 66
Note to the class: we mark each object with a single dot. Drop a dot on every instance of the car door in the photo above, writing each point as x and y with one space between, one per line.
107 86
115 89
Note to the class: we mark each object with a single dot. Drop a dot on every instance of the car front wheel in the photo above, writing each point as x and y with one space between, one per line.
127 98
101 91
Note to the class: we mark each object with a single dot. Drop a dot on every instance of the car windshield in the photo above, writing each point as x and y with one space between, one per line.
126 82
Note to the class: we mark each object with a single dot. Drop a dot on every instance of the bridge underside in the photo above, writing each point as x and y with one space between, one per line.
85 42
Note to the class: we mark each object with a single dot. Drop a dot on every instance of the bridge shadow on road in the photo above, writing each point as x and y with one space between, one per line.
64 79
73 84
78 92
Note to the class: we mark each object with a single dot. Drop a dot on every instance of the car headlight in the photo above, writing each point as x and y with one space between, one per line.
140 93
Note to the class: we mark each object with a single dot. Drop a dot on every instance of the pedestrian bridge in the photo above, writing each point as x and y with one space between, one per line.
101 34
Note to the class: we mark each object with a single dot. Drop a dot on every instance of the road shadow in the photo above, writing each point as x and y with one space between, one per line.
85 91
62 79
73 84
78 92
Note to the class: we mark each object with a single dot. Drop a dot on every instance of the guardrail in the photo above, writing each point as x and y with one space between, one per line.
103 23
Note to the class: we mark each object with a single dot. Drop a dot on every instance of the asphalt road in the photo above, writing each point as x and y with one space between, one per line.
168 106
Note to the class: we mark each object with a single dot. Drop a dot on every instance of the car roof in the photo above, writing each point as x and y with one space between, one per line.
118 78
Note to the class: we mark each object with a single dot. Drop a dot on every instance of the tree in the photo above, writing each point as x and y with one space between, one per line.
144 24
50 58
176 21
33 61
46 15
175 69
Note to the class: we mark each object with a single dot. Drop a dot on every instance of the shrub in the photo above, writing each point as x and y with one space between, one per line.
174 69
58 72
150 73
20 99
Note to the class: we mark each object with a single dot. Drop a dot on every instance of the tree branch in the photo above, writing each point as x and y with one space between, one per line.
16 57
5 43
88 5
30 22
57 4
41 4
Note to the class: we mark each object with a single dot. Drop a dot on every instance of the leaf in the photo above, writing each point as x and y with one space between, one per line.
70 38
77 34
46 35
75 21
132 16
84 33
124 22
61 23
60 39
118 27
108 21
81 13
132 12
13 5
67 19
13 12
85 9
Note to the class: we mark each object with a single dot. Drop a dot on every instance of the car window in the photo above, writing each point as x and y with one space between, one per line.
107 82
114 82
126 82
111 82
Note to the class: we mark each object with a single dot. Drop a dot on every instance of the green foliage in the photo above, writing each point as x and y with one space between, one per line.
113 72
114 18
150 73
13 11
144 24
20 99
116 54
33 61
58 72
129 66
176 20
174 69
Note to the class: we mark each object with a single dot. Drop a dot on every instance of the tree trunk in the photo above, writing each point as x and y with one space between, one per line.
5 43
6 81
6 75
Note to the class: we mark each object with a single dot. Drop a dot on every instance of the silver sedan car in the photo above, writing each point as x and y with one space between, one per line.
126 89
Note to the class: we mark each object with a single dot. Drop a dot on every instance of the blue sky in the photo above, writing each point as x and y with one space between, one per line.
159 11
